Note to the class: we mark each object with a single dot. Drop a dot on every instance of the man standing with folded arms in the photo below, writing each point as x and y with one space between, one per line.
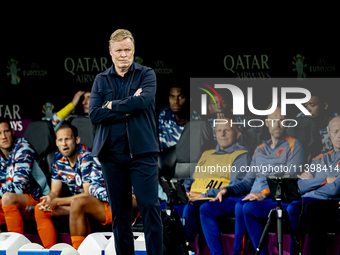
122 106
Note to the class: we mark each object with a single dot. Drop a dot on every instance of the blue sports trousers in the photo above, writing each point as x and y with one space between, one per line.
121 172
255 215
210 211
318 216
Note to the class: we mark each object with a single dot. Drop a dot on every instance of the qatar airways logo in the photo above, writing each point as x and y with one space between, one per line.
238 102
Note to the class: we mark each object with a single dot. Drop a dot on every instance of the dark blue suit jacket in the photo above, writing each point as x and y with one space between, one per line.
141 124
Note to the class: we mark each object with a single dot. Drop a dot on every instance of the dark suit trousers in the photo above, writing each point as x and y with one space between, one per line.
120 172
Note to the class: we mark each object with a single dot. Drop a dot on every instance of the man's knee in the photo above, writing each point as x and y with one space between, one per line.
206 210
40 215
239 208
249 208
12 199
78 204
293 209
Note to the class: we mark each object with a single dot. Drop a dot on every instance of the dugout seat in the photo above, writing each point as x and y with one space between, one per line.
40 134
308 134
179 161
253 137
86 130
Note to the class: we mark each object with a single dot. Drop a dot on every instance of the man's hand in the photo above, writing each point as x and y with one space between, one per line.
45 202
76 97
54 203
330 179
220 115
109 105
254 197
193 196
220 195
305 176
138 92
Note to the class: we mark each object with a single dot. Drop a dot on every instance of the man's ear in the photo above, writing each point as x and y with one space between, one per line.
209 107
78 140
326 106
238 134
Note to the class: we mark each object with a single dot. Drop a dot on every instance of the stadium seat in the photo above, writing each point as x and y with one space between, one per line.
179 161
85 130
197 137
308 134
167 162
41 136
253 137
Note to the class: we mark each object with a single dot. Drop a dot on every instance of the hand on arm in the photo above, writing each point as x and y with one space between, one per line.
330 179
329 190
305 176
46 201
137 93
138 103
99 115
59 201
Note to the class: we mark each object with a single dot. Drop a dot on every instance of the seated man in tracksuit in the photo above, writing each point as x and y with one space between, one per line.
231 201
216 169
72 167
320 185
95 205
279 154
22 182
65 114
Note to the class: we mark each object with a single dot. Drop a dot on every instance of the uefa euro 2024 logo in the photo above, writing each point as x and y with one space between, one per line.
13 71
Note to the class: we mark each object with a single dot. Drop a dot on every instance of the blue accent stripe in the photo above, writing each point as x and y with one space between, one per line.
140 252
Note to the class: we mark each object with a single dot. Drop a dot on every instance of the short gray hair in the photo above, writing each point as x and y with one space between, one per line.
120 34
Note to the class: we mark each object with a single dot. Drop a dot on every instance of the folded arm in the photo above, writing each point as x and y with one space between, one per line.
99 115
134 103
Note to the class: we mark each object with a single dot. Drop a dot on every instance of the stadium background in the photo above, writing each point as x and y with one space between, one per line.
57 59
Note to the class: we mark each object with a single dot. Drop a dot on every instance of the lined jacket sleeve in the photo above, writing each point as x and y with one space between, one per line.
310 184
98 115
329 189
